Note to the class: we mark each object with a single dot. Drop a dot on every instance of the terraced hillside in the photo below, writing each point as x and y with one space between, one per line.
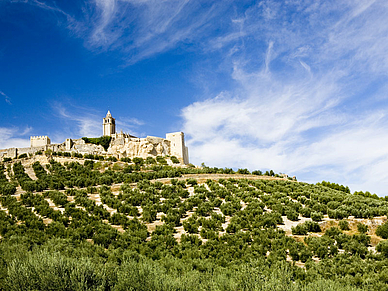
154 225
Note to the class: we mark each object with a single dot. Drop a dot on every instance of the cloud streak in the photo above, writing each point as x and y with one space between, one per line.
82 121
138 29
302 103
11 137
6 98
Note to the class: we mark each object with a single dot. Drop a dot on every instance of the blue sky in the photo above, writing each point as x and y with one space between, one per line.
294 86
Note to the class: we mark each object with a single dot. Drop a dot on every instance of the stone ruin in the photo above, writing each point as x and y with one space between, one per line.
122 145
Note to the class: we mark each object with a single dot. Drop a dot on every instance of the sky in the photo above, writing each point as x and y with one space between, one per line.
299 87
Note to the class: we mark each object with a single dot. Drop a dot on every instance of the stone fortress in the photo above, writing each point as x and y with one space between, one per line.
121 145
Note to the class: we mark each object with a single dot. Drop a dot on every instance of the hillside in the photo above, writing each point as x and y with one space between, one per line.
71 223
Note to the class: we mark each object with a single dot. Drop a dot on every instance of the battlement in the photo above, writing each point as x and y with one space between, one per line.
121 145
42 137
38 141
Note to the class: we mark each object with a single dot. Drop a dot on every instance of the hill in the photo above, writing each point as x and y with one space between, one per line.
71 223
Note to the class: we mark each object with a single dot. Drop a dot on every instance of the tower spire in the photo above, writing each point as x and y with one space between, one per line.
108 124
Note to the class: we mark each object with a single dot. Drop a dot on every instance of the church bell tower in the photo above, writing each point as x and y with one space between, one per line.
108 125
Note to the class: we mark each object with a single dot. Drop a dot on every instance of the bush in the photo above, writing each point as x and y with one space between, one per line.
161 160
382 230
104 141
174 159
292 215
343 225
53 271
138 161
382 247
304 228
150 161
316 216
257 172
191 181
7 189
362 228
125 160
243 171
112 159
300 229
22 156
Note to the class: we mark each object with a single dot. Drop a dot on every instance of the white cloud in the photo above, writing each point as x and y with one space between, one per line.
319 126
138 29
81 121
12 137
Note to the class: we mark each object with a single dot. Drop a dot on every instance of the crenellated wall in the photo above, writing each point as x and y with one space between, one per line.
121 145
38 141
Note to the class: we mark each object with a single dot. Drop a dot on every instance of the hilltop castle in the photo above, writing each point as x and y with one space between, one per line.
121 145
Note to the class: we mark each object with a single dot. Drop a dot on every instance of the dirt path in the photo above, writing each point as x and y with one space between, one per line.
30 172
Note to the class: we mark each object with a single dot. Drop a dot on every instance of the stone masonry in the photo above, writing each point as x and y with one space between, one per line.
122 145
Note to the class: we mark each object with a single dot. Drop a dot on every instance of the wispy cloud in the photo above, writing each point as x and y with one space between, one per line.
138 29
302 103
81 121
6 98
14 137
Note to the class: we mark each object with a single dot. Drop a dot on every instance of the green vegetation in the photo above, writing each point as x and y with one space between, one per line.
335 186
104 141
130 228
174 159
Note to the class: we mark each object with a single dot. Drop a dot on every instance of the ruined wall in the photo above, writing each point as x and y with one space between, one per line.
139 147
178 147
38 141
121 146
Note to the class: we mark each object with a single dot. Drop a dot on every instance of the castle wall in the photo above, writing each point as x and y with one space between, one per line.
139 147
178 148
122 145
38 141
88 148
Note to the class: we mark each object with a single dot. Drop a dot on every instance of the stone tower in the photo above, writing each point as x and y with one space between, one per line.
108 124
178 147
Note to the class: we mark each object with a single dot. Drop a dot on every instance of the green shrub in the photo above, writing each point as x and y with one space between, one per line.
243 171
292 214
382 230
104 141
343 225
138 161
191 182
52 271
150 161
316 216
112 159
125 160
161 160
382 247
300 229
362 228
257 172
174 159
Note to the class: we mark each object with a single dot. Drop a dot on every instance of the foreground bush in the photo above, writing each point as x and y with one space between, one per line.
45 270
